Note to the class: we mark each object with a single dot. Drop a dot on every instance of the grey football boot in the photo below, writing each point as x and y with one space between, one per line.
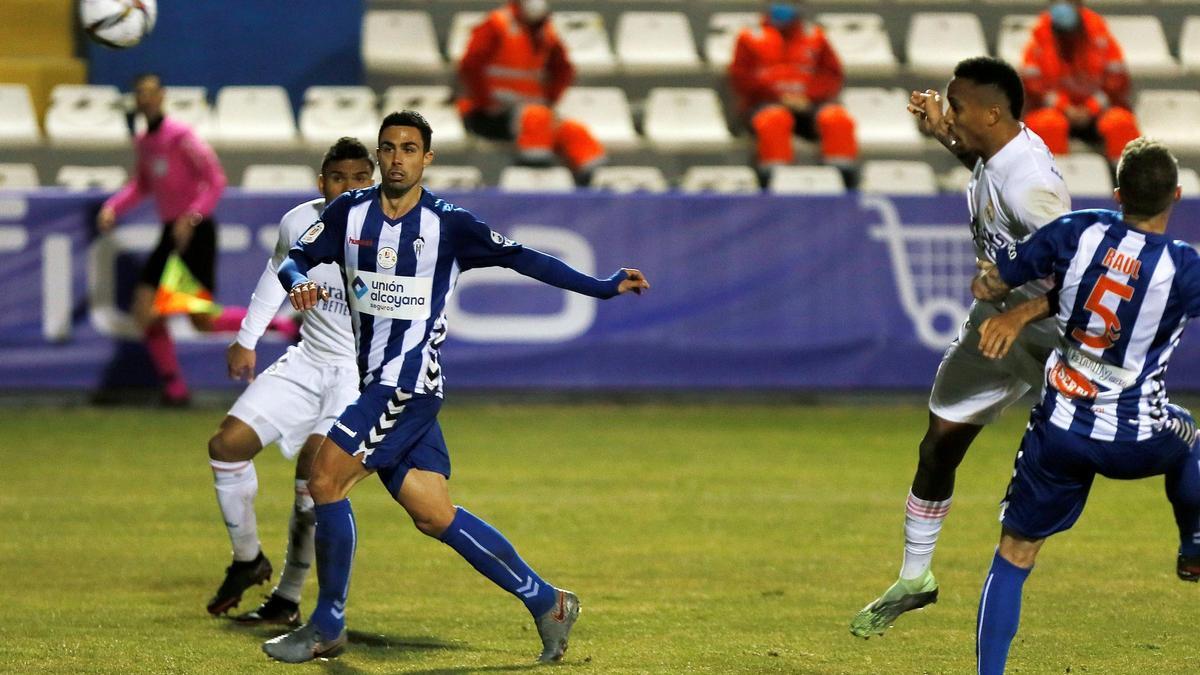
303 644
555 625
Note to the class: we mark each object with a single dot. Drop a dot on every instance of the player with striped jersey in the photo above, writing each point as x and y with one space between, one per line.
401 250
292 403
1123 293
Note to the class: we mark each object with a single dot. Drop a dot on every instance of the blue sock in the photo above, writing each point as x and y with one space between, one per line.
999 614
334 542
490 553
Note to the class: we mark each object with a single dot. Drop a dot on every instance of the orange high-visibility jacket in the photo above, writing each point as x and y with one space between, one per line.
506 63
1087 68
766 65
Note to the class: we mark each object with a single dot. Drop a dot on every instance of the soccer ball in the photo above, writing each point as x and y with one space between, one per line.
118 23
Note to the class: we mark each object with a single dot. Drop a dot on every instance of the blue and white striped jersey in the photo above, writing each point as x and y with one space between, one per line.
1124 297
398 274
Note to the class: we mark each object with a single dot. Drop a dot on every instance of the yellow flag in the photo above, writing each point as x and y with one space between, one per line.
179 292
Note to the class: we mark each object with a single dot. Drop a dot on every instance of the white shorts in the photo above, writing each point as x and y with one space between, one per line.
973 389
296 397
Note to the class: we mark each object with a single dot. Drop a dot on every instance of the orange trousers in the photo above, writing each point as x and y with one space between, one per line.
774 125
1115 126
538 135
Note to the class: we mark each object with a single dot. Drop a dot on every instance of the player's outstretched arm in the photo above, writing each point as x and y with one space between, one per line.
926 107
548 269
634 281
998 333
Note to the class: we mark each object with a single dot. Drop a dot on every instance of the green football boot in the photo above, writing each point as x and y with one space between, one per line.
904 595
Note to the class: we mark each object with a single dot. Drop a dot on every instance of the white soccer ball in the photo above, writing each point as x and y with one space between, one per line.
118 23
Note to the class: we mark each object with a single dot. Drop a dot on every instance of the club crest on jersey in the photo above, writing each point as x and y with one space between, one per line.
989 212
310 235
502 240
386 258
418 244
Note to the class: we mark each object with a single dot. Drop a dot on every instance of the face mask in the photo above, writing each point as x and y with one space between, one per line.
534 10
1064 17
781 14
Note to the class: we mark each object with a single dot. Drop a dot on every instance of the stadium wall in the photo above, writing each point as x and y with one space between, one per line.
749 292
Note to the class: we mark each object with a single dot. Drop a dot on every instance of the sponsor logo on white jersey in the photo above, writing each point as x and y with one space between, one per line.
391 297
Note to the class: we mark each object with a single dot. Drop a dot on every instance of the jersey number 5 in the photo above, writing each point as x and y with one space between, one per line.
1112 325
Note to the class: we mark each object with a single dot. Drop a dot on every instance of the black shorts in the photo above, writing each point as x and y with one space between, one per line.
200 255
492 127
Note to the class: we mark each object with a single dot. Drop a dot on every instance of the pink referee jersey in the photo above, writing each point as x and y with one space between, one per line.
179 169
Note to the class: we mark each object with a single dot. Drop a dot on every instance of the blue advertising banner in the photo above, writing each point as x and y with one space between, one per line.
748 292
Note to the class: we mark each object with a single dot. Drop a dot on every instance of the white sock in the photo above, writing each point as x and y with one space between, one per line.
922 523
237 485
300 551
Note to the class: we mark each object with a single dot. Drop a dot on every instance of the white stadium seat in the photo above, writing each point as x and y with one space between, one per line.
1189 45
586 40
1086 174
460 33
279 177
807 180
882 121
80 178
720 179
1189 180
436 104
396 41
1171 116
896 177
1145 45
723 31
18 177
681 119
83 115
939 40
254 117
190 106
1015 32
446 177
534 179
955 180
332 112
861 42
656 42
18 121
624 179
604 110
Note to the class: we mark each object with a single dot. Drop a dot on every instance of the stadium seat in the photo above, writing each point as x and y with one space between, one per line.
882 123
1189 45
438 178
1087 174
18 177
897 177
587 42
939 40
436 103
955 180
605 111
680 119
1189 180
1171 116
190 106
400 42
1145 45
656 42
861 42
806 180
84 115
624 179
720 179
1015 31
534 179
254 117
279 177
332 112
723 30
80 178
18 121
460 33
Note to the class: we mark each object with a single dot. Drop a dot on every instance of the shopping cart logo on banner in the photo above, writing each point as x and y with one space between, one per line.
932 266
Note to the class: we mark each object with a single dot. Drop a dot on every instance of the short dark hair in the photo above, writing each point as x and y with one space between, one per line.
987 70
346 148
148 75
1147 175
410 118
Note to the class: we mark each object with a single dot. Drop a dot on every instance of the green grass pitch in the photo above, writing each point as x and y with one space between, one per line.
699 537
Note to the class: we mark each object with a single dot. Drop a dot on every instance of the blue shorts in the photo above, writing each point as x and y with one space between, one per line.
1055 468
393 431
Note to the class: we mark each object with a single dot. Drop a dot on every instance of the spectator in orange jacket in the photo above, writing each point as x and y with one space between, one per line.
787 78
514 70
1076 80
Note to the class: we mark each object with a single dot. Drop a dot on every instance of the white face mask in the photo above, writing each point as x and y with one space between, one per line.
534 10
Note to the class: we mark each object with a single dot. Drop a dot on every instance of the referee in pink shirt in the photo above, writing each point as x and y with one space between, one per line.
183 175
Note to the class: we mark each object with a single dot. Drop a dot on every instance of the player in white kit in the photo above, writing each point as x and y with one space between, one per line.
1015 188
293 402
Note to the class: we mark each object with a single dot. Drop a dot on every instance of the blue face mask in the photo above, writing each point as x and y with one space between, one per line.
782 14
1064 16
